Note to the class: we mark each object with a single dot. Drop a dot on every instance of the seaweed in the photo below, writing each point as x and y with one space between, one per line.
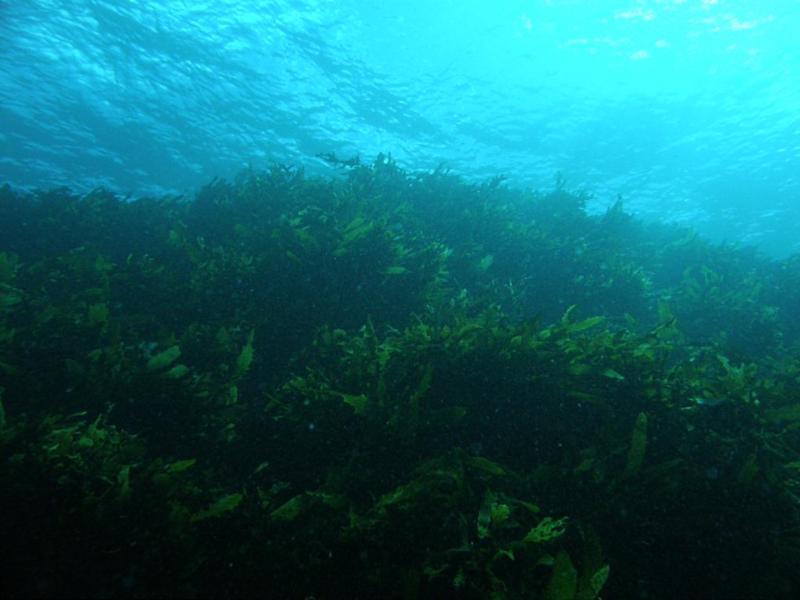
390 384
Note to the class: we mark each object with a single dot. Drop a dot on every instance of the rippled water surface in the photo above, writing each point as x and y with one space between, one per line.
689 109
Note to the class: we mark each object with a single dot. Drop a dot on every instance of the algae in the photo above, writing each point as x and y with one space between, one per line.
638 445
164 359
218 508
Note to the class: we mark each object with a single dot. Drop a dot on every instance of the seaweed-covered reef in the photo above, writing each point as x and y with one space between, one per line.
390 385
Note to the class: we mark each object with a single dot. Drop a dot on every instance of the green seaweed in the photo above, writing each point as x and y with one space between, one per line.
98 314
218 508
177 372
435 352
563 583
638 446
358 402
180 465
245 358
164 359
546 530
395 270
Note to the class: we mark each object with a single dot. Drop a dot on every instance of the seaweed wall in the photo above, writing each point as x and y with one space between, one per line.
390 385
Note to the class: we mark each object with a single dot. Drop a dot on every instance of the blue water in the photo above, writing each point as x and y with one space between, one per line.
688 109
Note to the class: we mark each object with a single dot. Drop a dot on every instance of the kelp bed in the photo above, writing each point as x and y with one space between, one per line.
390 385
